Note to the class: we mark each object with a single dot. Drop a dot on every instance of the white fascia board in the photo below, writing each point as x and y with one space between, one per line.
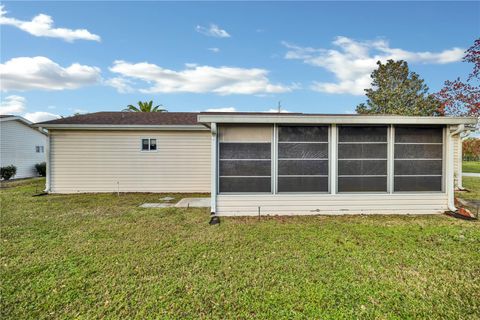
121 127
307 119
18 118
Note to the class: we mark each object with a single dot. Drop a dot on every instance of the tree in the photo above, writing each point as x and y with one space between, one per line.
471 149
396 90
144 107
462 98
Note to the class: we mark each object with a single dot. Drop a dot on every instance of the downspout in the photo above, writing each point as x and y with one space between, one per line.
213 175
450 168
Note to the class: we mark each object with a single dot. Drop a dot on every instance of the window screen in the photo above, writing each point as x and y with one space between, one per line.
302 159
245 156
362 158
418 158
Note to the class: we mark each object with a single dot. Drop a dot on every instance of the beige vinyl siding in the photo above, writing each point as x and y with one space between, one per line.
311 204
108 161
457 159
18 142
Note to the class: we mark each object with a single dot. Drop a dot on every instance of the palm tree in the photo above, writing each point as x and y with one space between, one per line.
144 107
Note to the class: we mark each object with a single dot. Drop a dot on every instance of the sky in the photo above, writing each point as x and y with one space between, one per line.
61 58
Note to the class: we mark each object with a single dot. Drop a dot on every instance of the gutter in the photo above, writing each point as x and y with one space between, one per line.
450 171
120 127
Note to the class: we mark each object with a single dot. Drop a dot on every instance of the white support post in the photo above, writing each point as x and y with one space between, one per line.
391 159
333 158
213 173
274 171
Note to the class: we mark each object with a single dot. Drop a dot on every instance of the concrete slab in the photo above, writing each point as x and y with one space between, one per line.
167 199
156 205
194 203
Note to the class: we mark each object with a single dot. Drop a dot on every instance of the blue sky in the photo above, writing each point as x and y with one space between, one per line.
311 56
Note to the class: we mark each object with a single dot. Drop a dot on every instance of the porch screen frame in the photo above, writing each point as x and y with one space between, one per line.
218 159
276 159
443 159
388 159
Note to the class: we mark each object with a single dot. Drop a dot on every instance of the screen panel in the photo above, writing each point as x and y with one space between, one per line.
245 168
362 158
244 184
294 167
303 133
245 158
302 184
302 158
418 164
415 183
362 184
358 150
362 134
298 150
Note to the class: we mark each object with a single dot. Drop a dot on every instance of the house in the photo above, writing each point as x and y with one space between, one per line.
21 145
263 163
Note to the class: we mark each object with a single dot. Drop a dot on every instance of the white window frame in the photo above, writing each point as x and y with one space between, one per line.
39 149
149 144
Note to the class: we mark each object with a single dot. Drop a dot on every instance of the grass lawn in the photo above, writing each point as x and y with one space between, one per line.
100 256
473 185
471 166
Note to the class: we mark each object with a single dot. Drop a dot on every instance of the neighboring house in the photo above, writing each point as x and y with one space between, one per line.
21 145
263 163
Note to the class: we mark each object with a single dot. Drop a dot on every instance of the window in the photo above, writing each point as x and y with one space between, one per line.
39 149
302 159
362 158
245 157
149 144
418 162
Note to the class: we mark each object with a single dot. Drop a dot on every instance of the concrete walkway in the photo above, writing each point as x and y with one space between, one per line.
183 203
471 174
193 203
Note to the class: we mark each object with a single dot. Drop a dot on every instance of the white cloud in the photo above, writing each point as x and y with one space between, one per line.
212 31
199 79
226 109
12 104
42 26
272 110
16 104
121 84
40 116
25 73
354 61
214 50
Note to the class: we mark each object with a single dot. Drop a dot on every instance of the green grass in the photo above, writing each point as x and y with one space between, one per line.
100 256
471 166
473 186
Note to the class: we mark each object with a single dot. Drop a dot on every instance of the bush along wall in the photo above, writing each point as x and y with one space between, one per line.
41 169
8 172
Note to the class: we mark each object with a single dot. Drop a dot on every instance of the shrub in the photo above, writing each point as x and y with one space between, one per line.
8 172
41 168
